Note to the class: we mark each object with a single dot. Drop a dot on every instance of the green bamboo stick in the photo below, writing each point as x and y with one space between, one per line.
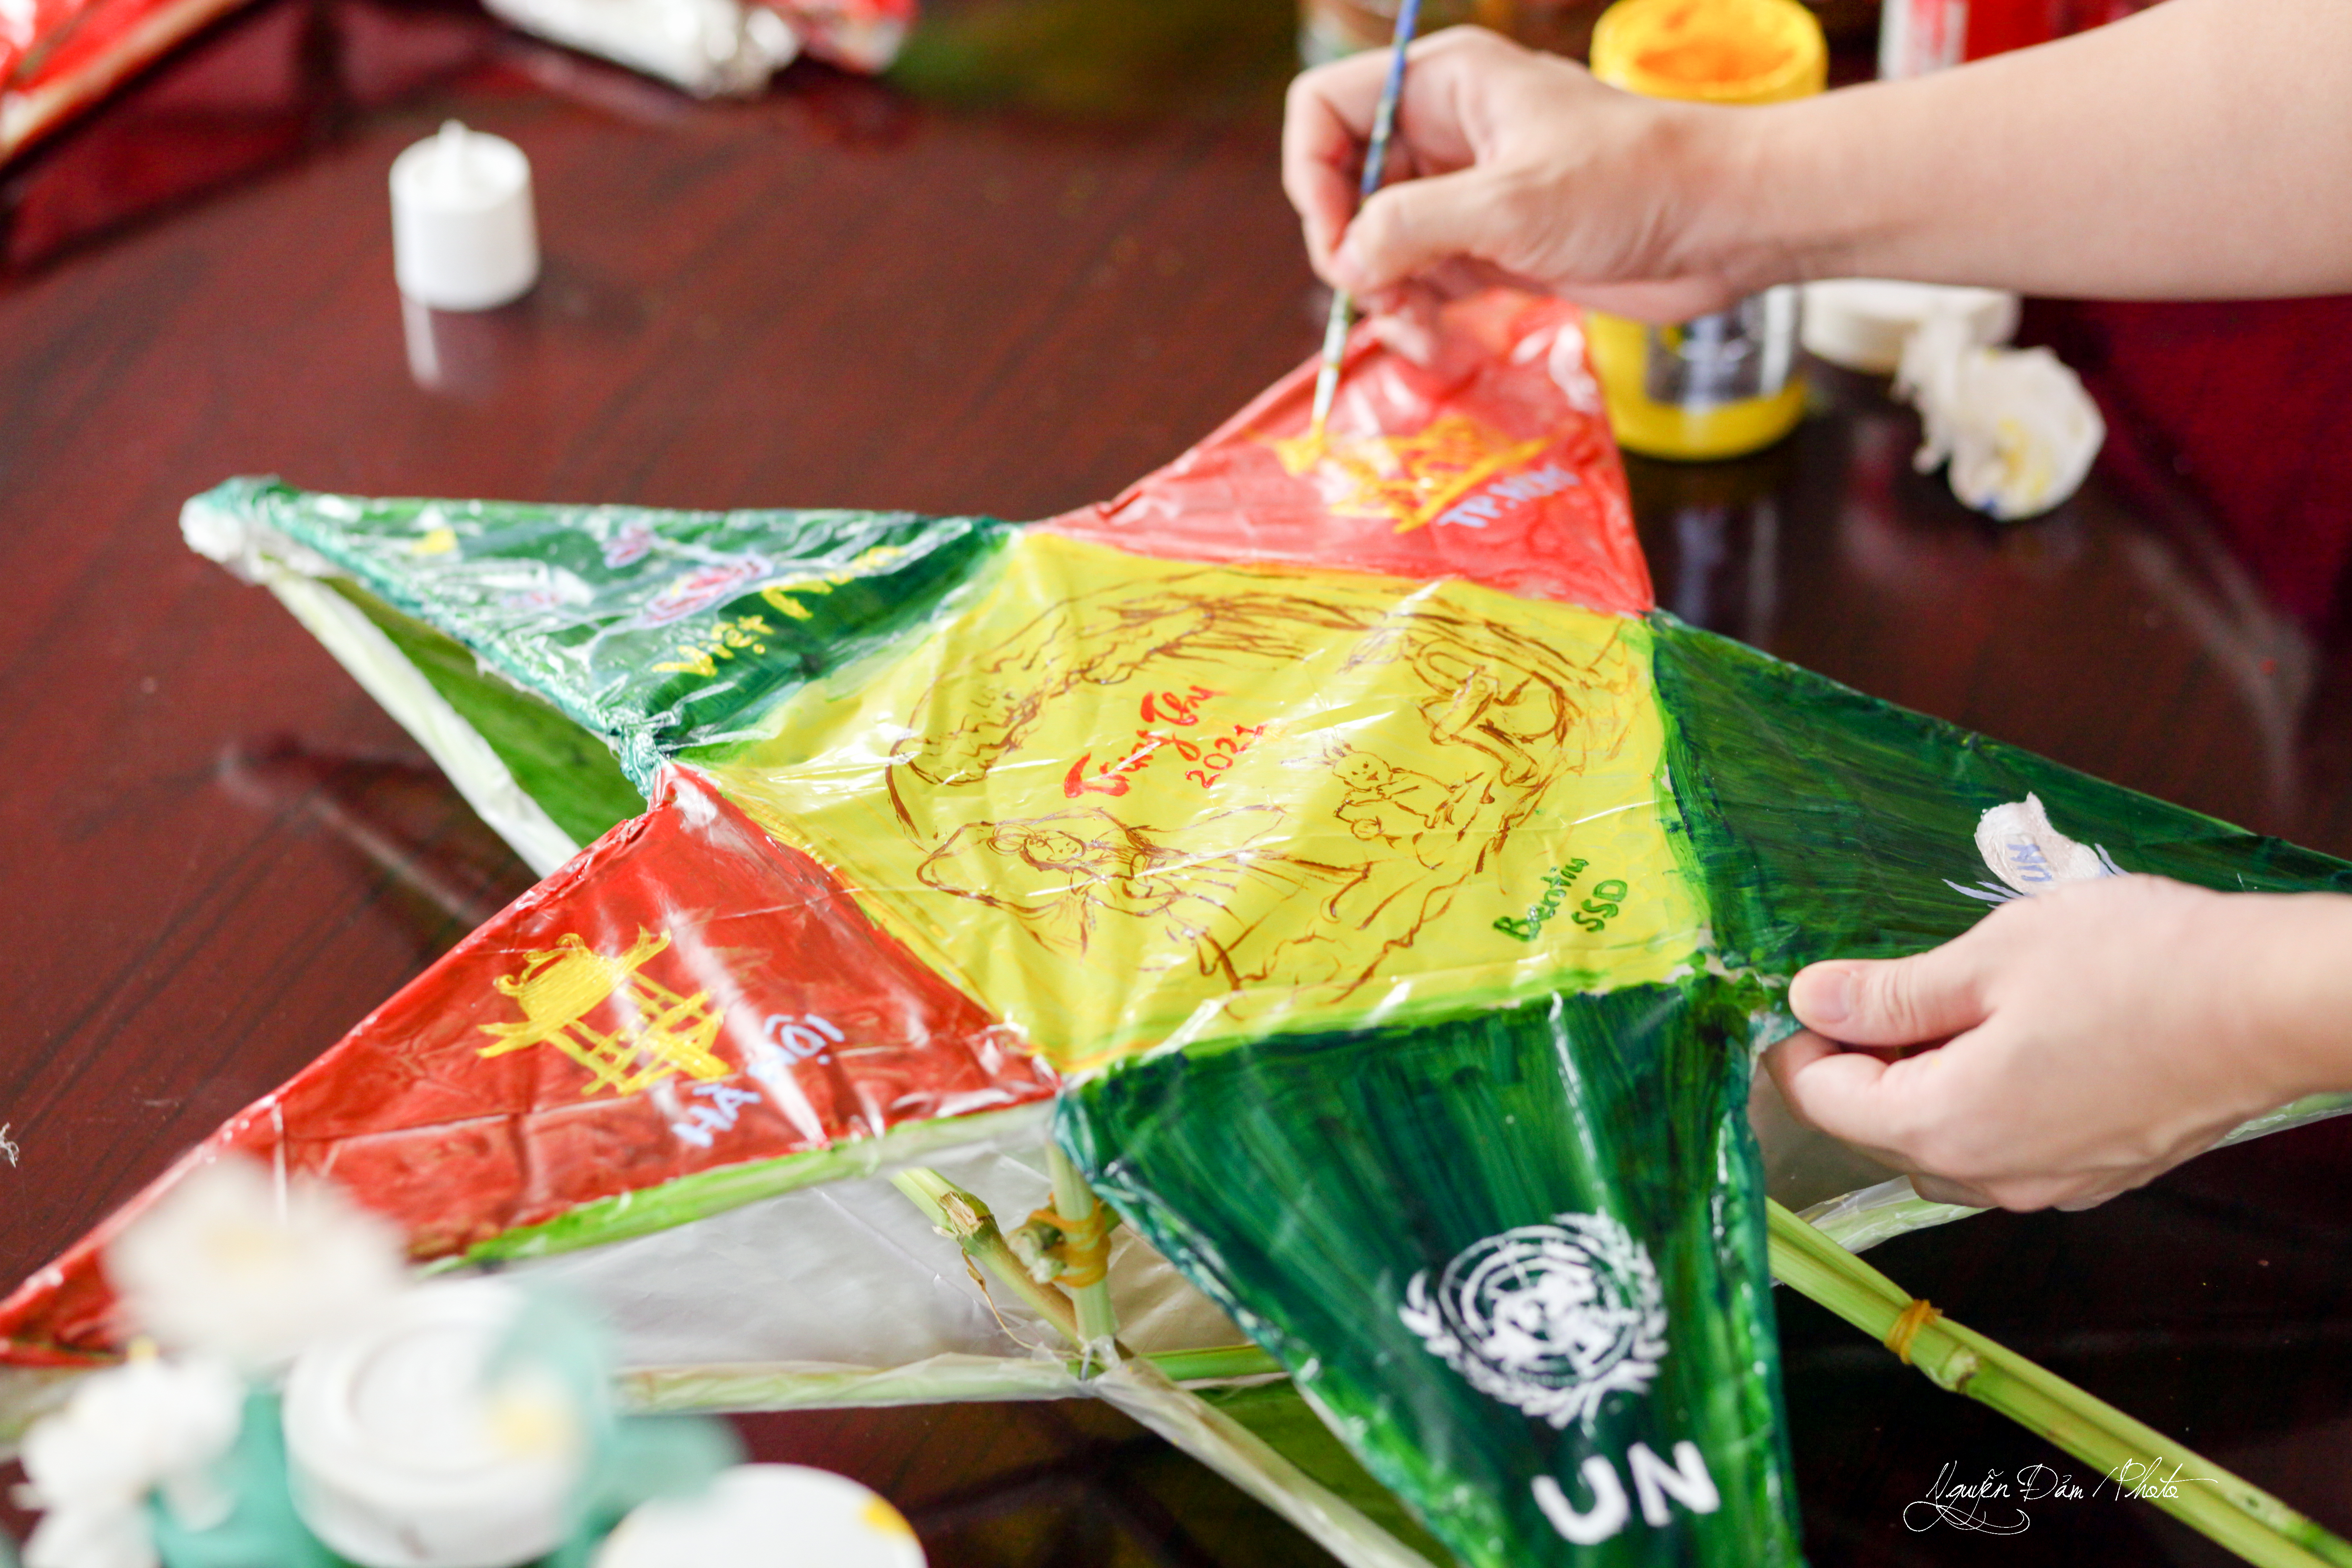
2246 1520
792 1385
1216 1364
969 1221
798 1385
1074 1201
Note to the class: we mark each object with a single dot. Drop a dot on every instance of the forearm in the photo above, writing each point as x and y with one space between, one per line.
2295 965
2202 149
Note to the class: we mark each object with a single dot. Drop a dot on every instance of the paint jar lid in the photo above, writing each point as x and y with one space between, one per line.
463 233
766 1516
1713 51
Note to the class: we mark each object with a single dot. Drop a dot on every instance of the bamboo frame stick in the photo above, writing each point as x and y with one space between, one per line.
792 1385
965 1217
2246 1520
1076 1201
1216 1364
968 1219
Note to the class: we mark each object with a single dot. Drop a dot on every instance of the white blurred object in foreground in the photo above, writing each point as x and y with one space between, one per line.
407 1447
149 1424
243 1265
2015 424
767 1516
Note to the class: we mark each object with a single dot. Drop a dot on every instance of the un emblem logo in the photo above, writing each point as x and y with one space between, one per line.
1552 1318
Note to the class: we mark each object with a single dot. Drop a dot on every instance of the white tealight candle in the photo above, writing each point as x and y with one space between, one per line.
463 236
401 1455
767 1516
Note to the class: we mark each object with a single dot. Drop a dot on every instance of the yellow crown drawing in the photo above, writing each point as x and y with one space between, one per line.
1410 479
660 1032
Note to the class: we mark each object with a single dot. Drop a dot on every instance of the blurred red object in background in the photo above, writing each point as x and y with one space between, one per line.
1916 37
2244 406
58 56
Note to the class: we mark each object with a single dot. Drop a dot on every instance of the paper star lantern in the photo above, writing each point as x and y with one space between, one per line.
1327 842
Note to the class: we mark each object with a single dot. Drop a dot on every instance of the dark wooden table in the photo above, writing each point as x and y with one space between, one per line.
1011 292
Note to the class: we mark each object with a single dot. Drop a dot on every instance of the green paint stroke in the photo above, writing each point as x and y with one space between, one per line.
1304 1183
1825 824
654 630
567 769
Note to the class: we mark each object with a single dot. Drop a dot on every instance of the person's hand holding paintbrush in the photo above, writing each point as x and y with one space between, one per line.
2087 1040
2202 149
1492 139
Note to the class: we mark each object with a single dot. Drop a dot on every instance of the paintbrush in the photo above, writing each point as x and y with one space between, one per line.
1376 157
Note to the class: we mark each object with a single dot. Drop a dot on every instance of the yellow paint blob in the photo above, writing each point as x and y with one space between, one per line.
1409 479
883 1520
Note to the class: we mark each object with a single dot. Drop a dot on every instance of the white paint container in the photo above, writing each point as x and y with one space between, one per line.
400 1456
1863 323
710 47
766 1516
463 233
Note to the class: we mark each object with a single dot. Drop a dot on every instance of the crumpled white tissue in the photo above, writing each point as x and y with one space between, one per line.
2015 424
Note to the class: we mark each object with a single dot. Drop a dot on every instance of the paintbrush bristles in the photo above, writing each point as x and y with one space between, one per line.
1335 345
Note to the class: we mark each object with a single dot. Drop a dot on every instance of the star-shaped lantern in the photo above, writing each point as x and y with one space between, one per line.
1323 854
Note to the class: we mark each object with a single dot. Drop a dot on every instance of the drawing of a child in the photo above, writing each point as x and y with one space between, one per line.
1386 801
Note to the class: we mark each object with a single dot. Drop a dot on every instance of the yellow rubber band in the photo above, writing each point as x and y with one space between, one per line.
1915 1316
1085 1248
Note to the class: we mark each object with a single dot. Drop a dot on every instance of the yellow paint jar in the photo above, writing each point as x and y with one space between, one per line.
1726 383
